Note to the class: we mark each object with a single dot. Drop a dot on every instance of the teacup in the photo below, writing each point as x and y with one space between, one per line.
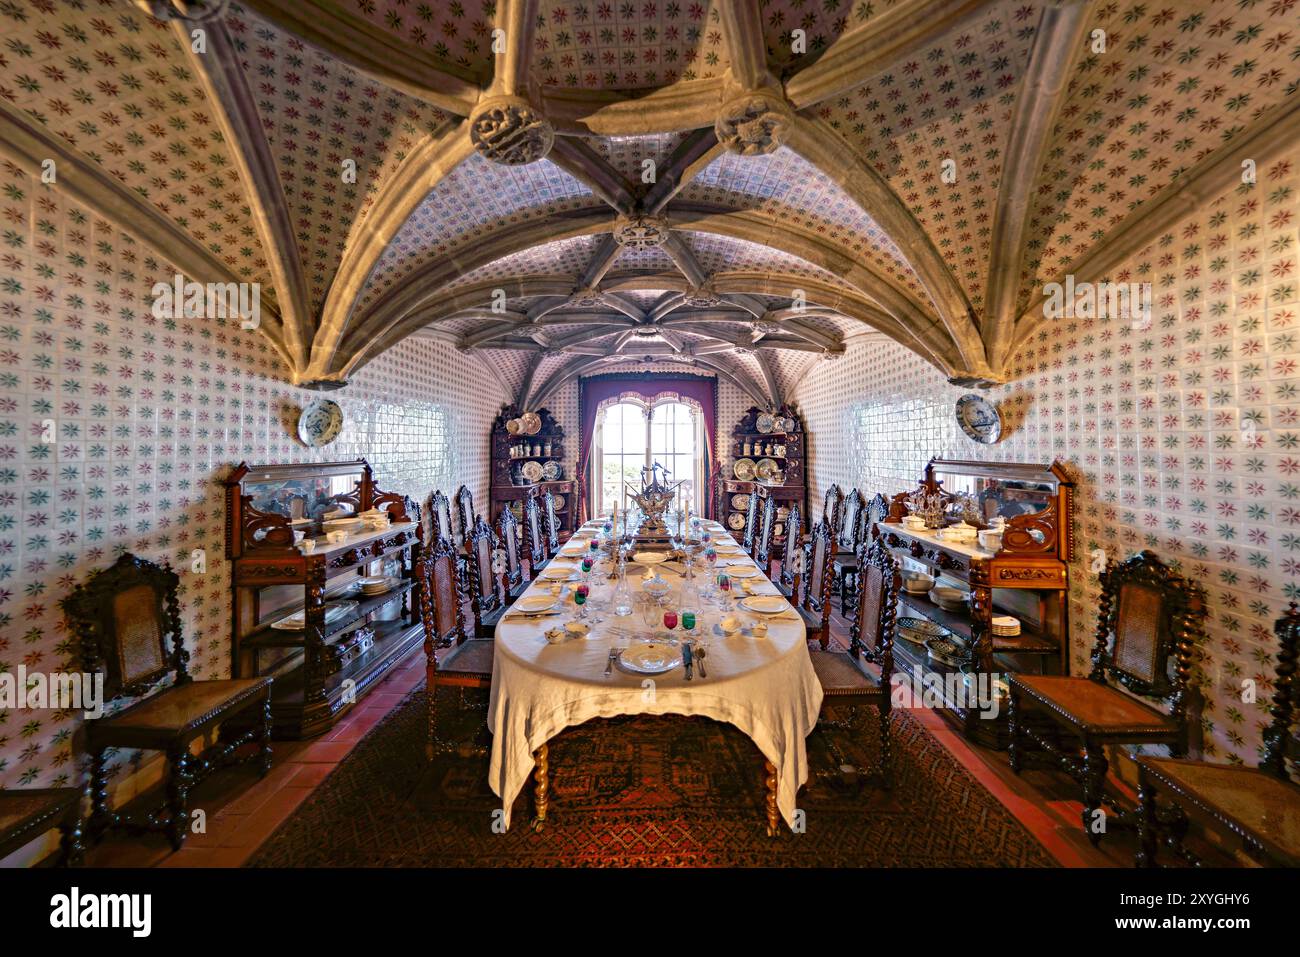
308 545
336 537
991 539
759 629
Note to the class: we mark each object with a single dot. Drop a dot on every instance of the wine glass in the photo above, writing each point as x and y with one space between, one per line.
580 599
670 620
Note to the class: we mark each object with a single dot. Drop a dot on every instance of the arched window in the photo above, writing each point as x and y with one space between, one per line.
630 436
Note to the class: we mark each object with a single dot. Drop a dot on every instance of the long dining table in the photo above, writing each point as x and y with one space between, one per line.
763 684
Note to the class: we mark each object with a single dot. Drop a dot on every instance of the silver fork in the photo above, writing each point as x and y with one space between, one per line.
609 663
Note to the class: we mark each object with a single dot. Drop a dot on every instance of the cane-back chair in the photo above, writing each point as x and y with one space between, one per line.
485 595
535 546
127 619
509 537
844 564
751 523
844 675
1149 623
451 659
833 510
791 574
464 514
763 537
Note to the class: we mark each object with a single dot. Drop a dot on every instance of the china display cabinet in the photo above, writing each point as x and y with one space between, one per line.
322 575
527 452
1000 536
768 449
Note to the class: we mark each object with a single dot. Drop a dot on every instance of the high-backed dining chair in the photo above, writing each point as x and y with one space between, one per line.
791 574
833 510
846 545
485 596
439 507
29 813
535 544
816 607
763 538
508 536
1258 806
1149 618
843 675
846 566
451 658
127 619
751 523
464 514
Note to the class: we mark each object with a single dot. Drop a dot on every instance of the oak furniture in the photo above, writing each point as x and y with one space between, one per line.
815 610
508 534
347 640
1149 623
485 598
452 659
1025 577
28 813
791 492
1257 808
791 574
763 537
507 486
127 621
843 675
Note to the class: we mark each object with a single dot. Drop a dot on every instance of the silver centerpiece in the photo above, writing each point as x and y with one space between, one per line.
653 499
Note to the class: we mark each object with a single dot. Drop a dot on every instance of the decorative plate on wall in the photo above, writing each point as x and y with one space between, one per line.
320 422
740 502
765 422
787 424
531 422
979 418
533 472
744 470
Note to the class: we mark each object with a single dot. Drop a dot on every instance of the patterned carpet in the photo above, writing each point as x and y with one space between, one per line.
666 791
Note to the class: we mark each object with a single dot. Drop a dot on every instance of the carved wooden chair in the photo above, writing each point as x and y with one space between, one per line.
127 619
28 813
439 508
816 607
554 539
763 539
464 514
1150 619
1258 806
485 596
833 510
847 544
843 674
535 545
791 574
751 523
451 659
509 537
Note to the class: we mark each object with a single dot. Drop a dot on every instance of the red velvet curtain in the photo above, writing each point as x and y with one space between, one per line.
594 390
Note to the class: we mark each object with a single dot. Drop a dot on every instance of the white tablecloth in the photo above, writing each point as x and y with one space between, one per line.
766 687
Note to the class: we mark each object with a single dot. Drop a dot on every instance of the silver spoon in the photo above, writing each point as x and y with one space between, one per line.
699 659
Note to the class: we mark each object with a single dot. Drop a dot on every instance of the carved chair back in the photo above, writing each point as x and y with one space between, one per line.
833 510
871 634
508 534
1287 629
1150 618
763 540
482 582
790 556
875 512
751 523
440 519
848 536
127 620
534 535
552 521
817 596
464 514
440 607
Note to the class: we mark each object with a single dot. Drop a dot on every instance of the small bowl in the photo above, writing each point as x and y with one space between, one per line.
577 629
731 624
759 629
334 538
949 598
308 545
917 582
991 539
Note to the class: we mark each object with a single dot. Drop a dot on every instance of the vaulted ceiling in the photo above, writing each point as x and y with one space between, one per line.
740 185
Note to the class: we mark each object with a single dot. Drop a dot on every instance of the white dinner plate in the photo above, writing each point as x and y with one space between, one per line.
764 604
534 604
742 571
562 574
650 658
298 620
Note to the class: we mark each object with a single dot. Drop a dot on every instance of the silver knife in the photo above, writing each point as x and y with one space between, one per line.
686 660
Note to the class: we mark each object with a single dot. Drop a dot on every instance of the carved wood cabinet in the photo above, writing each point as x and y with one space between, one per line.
348 639
749 442
510 488
1027 577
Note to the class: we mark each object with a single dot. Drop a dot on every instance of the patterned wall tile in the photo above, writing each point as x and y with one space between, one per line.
1182 435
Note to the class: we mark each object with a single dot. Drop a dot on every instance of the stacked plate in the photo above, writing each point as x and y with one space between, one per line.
376 586
1006 626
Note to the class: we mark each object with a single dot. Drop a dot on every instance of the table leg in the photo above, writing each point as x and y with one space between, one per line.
541 787
773 816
